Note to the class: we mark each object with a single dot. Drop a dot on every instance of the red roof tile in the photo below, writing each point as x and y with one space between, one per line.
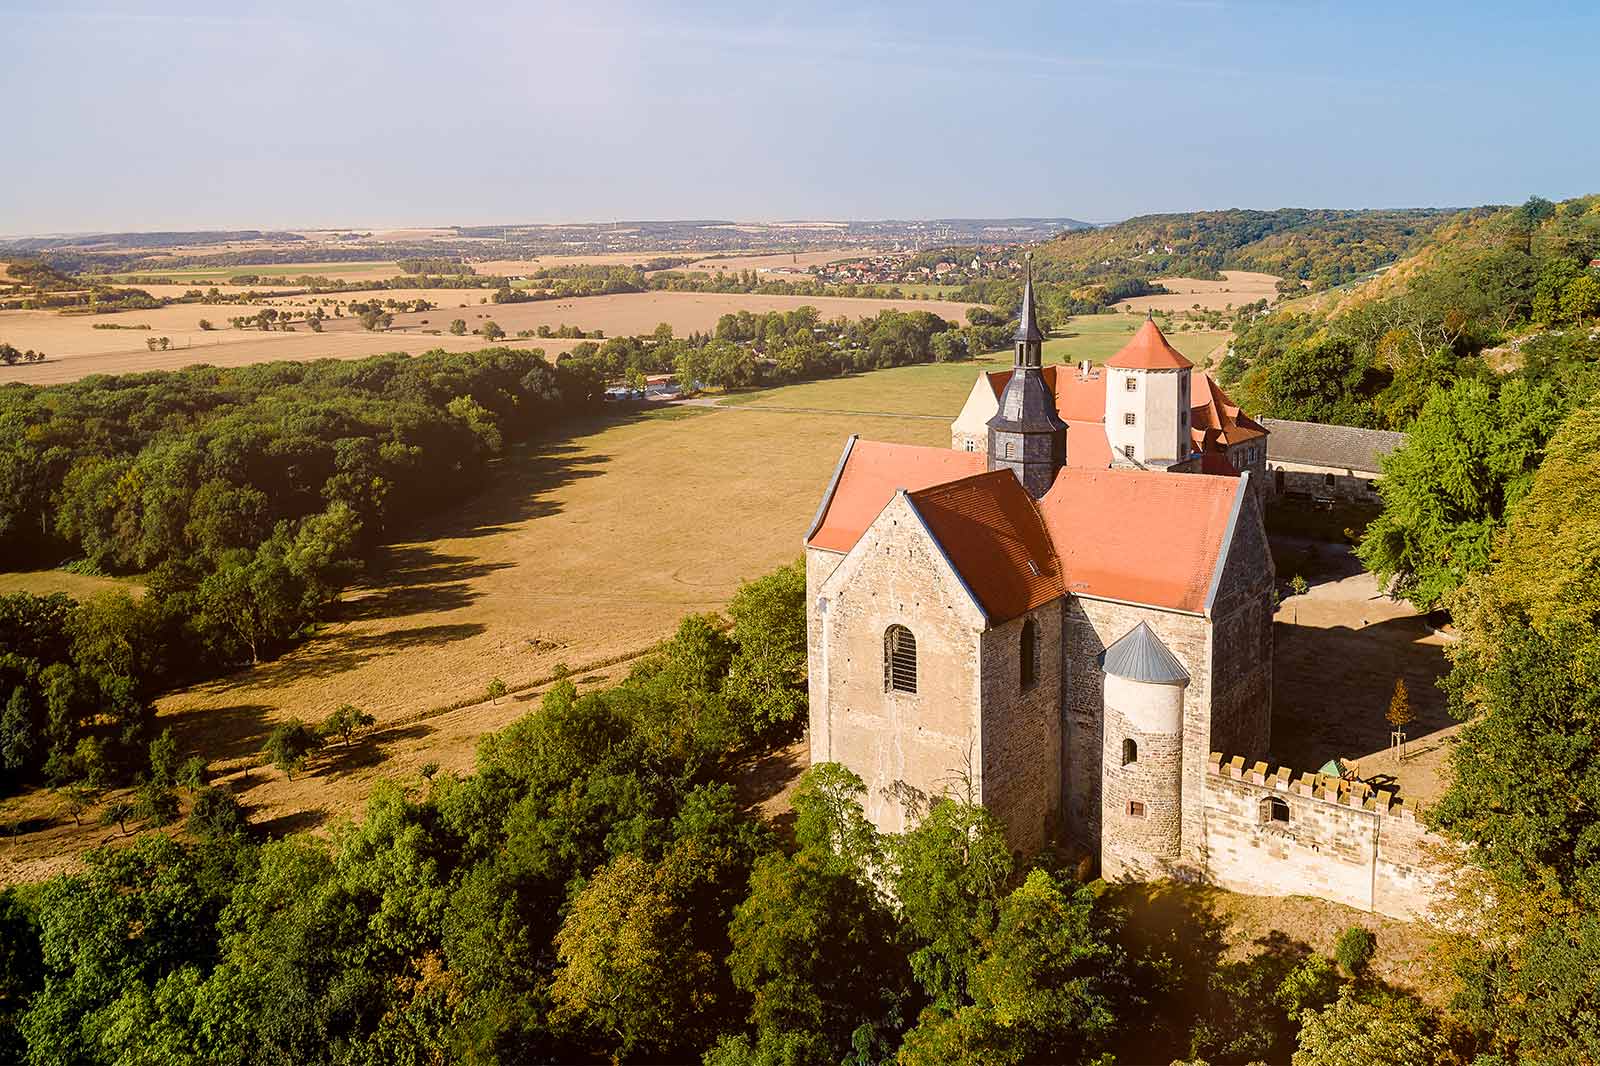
871 474
1210 409
1139 536
1148 350
993 536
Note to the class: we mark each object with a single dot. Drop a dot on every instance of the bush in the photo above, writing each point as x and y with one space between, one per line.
1354 950
1299 585
217 815
289 744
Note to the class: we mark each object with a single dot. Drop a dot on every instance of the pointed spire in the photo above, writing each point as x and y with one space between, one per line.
1028 320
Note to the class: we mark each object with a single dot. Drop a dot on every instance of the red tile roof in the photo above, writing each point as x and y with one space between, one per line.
1148 350
1211 409
992 534
867 481
1137 535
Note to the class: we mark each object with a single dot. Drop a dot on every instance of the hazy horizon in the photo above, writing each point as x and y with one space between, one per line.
172 116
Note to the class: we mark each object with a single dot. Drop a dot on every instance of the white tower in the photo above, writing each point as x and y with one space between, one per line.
1141 772
1148 401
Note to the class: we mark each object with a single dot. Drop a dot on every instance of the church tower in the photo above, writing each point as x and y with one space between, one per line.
1026 436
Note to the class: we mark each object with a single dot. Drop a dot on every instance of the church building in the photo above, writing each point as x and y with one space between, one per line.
1061 616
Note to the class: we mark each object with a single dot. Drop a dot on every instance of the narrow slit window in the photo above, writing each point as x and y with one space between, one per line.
899 660
1030 653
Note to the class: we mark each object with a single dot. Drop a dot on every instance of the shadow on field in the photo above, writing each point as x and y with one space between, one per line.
369 749
519 484
294 822
418 580
221 734
1332 688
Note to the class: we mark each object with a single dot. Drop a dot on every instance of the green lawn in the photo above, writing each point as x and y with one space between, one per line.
941 388
927 288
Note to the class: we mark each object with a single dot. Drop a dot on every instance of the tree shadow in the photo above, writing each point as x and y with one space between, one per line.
1332 687
220 734
368 749
301 821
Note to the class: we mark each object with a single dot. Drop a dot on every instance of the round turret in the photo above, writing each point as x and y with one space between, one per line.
1141 785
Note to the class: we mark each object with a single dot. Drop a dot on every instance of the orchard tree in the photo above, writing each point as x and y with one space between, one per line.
346 720
289 744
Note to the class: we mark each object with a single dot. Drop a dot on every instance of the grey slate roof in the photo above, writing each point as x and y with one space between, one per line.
1139 655
1338 447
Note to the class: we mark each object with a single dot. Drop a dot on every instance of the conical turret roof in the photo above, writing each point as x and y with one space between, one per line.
1028 317
1139 655
1148 350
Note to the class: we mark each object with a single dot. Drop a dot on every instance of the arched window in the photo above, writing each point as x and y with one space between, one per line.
1130 751
899 660
1274 809
1030 653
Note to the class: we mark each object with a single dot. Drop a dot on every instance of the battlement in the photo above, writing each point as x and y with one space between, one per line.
1356 795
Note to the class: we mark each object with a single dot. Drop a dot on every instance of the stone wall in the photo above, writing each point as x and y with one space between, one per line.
1351 486
1340 841
1089 626
1241 640
1022 729
928 739
1141 843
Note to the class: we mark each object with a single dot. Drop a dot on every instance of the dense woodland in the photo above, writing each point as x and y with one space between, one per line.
245 496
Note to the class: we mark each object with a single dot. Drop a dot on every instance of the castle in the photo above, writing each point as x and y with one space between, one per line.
1066 615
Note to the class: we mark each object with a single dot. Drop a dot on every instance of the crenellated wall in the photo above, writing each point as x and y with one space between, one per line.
1342 841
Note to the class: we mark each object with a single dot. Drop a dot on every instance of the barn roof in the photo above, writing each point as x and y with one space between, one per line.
1339 447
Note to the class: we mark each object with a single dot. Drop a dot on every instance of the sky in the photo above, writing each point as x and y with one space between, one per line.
209 115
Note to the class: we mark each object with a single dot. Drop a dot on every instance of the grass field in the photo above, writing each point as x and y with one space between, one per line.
78 586
76 349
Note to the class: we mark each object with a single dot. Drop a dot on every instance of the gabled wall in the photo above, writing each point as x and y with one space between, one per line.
970 431
896 573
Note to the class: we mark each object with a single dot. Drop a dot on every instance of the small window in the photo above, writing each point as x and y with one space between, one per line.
1130 752
1129 418
972 445
899 660
1132 384
1127 449
1030 653
1327 480
1011 450
1135 809
1274 810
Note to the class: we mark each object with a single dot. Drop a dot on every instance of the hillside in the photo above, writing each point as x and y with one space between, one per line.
1320 248
1487 292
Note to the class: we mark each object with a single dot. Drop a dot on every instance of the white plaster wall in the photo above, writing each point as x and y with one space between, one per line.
972 424
1148 708
1160 406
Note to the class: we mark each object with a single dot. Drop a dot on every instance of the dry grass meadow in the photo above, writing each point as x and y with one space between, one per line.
1237 288
76 349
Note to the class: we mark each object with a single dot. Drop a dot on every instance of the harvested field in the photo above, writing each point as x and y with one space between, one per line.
1238 287
763 261
370 270
76 349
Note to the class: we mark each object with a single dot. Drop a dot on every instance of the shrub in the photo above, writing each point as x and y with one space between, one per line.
1299 585
289 744
1354 950
217 815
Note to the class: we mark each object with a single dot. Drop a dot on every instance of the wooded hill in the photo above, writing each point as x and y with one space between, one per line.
1320 248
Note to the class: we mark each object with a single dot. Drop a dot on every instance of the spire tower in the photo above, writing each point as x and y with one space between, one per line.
1026 436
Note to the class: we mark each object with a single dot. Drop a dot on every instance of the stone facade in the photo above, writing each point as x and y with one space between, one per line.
929 739
1141 780
1021 724
1349 486
1271 832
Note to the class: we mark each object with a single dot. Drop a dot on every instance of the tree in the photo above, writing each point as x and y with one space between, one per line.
459 327
157 804
217 815
491 331
1581 298
1363 1027
117 814
1400 712
346 720
1469 456
289 744
374 319
626 968
496 690
767 678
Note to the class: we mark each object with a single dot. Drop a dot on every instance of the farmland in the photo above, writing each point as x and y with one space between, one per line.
1237 288
77 349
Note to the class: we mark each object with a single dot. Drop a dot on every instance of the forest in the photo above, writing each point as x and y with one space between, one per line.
596 891
246 498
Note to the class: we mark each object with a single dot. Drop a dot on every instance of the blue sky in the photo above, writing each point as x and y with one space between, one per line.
163 115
